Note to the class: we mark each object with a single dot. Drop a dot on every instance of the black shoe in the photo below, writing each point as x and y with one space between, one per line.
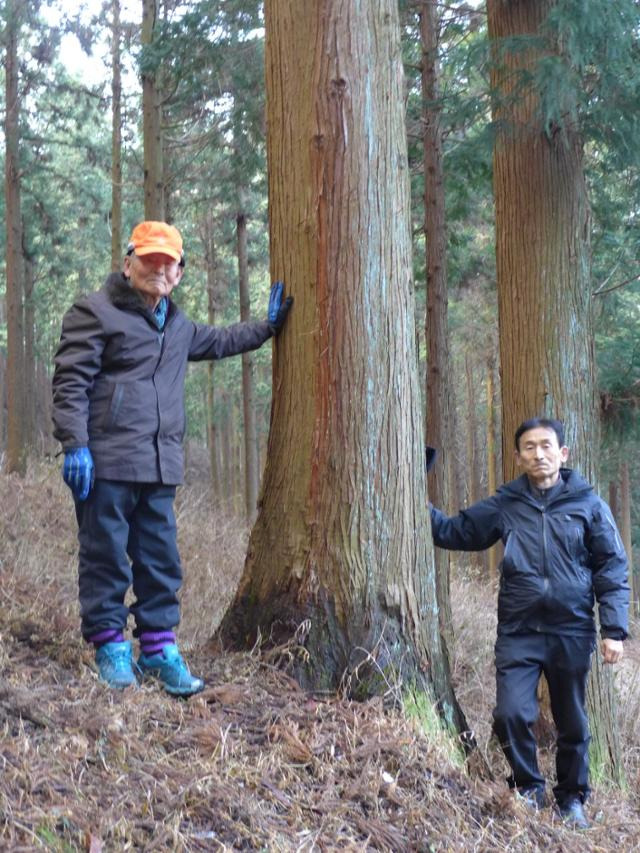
572 814
533 799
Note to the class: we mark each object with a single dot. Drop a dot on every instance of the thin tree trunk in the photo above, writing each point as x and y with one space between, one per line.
154 195
492 554
251 472
28 379
341 555
116 139
16 451
614 504
238 457
457 469
438 379
542 261
3 400
474 462
213 433
43 420
227 460
625 526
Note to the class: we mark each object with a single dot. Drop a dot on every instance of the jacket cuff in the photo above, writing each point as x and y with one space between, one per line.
613 634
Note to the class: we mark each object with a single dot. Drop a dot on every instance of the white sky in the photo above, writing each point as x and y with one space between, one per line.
94 69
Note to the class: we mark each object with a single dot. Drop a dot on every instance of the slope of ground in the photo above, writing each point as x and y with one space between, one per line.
253 763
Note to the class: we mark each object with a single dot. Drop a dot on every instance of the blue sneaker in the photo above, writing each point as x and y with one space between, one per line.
115 664
172 671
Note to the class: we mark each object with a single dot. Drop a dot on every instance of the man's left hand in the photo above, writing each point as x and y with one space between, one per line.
612 650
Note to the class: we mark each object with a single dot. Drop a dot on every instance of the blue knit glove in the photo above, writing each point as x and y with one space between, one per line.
278 309
78 471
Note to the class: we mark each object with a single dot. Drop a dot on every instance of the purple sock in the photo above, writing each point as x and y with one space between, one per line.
153 642
109 635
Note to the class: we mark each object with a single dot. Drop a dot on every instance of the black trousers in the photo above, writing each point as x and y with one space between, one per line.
565 662
127 536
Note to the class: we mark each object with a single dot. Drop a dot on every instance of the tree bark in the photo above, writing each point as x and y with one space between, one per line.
16 457
116 139
154 197
251 472
542 259
340 559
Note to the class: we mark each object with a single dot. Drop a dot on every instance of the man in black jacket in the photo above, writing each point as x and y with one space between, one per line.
118 411
562 552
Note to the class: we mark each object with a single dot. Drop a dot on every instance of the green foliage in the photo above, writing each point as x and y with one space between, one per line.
618 347
601 49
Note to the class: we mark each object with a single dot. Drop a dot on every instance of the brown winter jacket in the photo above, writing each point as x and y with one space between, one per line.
118 384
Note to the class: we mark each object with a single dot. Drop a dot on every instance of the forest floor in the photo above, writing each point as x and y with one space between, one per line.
253 762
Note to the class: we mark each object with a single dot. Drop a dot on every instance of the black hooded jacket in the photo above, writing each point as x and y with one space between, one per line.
558 557
118 384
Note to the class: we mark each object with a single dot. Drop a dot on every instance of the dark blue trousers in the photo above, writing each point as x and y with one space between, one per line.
127 536
565 662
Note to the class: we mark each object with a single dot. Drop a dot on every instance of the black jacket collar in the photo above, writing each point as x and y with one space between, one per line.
573 483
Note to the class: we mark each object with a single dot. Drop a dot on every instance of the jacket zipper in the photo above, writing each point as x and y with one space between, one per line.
545 553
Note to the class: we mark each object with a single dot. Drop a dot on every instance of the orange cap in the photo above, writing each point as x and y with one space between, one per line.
150 237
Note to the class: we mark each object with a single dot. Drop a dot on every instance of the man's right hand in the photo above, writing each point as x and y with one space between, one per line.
612 650
78 471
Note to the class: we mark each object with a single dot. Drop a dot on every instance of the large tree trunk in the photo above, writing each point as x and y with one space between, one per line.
154 200
251 472
16 450
542 251
438 378
116 139
542 258
341 552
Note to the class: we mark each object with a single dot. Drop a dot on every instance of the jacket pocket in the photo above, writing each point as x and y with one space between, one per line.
101 405
572 534
512 557
115 404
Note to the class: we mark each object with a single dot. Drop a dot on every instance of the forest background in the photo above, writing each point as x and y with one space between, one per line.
207 61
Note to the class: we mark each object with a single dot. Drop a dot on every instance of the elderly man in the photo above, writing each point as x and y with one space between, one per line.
562 550
118 411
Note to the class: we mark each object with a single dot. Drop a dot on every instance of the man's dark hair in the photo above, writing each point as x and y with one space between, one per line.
545 423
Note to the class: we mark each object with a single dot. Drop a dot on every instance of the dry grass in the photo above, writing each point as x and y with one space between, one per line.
253 763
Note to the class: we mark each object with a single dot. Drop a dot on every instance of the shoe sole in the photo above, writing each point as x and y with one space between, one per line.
150 675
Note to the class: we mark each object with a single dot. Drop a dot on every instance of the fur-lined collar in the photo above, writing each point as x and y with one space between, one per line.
120 293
